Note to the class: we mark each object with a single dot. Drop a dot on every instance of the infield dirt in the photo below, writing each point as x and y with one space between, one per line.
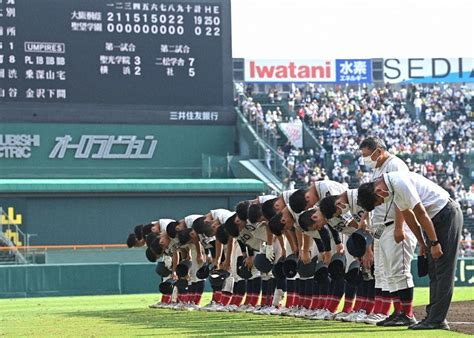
459 312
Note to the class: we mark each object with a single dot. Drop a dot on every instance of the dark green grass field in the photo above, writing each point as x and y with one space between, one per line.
129 315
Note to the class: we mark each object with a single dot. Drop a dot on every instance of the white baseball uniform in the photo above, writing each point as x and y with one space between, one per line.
164 222
328 188
221 214
264 198
235 253
194 264
188 220
286 198
341 223
392 261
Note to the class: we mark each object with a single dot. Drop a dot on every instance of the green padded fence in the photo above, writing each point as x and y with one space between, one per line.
76 279
117 278
119 255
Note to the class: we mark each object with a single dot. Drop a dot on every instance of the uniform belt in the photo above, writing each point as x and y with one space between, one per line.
450 201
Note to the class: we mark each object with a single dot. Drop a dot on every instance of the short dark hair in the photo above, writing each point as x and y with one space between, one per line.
138 230
131 240
268 210
297 201
373 143
242 209
230 226
200 226
305 219
184 236
146 229
275 225
222 235
171 229
255 213
156 247
328 206
150 238
366 196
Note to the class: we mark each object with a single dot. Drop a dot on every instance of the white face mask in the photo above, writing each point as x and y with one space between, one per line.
345 209
369 161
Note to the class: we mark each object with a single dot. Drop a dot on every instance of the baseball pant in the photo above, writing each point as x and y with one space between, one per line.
448 224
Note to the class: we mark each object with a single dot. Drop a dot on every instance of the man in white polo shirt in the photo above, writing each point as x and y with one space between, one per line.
423 202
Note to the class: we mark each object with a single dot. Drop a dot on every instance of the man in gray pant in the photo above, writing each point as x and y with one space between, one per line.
420 201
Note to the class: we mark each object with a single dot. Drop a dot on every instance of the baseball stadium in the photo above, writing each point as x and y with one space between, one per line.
236 168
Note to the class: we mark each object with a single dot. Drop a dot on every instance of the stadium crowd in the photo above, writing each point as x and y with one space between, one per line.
321 245
265 121
426 125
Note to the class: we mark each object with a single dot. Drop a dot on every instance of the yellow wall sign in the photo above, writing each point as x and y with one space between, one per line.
14 219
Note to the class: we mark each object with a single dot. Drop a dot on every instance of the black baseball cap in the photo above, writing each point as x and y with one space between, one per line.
150 255
150 238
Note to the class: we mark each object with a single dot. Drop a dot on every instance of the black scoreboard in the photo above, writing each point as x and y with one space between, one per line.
155 61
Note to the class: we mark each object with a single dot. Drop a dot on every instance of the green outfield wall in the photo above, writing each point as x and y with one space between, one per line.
84 183
105 211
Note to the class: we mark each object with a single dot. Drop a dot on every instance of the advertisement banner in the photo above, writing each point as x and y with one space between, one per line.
29 150
294 132
279 71
354 71
428 70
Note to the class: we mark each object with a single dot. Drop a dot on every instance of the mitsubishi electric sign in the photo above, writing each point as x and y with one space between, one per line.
18 146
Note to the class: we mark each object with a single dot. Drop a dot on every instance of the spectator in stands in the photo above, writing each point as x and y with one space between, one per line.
469 213
467 242
268 158
418 103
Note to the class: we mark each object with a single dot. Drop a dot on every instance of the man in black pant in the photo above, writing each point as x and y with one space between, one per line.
423 202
